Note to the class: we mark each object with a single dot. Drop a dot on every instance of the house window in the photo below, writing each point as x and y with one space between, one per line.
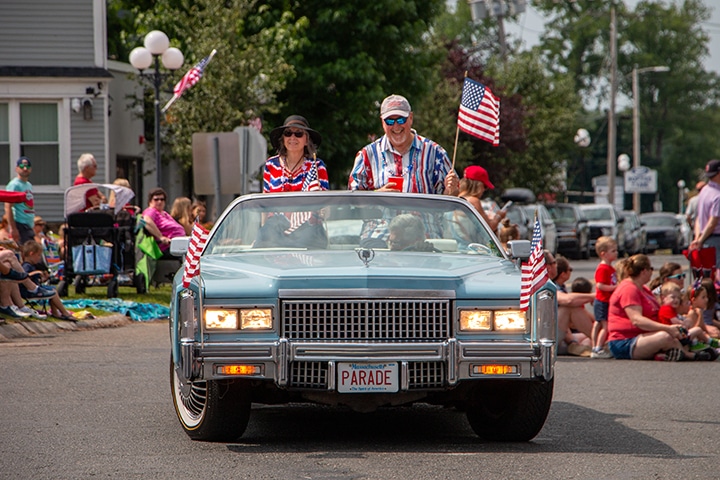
39 141
30 129
4 146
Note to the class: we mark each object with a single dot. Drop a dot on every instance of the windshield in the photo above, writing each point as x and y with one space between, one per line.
342 221
597 213
562 214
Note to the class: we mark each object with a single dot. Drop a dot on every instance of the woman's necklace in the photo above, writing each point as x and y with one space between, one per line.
294 167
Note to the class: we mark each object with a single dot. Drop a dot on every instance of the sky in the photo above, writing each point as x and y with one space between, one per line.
530 25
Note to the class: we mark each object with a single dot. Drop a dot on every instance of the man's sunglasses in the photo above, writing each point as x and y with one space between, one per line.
24 166
391 121
288 133
677 276
158 199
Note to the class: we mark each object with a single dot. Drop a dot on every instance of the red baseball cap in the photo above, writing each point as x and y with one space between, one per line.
479 174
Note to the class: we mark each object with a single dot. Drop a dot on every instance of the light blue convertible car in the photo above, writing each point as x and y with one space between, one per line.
362 299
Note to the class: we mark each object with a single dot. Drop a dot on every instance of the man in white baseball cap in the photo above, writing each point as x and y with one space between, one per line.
401 160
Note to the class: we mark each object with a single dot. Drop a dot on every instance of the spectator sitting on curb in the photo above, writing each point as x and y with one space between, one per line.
572 315
37 272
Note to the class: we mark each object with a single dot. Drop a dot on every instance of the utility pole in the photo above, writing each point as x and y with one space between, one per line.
612 127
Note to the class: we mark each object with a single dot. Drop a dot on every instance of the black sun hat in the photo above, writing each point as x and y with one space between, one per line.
295 121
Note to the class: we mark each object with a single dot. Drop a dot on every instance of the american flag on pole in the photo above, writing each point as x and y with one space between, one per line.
534 272
189 79
198 239
479 112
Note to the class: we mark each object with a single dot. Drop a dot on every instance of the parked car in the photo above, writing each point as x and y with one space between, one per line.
359 314
605 220
525 199
572 229
516 214
635 233
663 231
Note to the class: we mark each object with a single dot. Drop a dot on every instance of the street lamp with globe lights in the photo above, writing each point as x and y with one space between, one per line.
157 47
681 194
636 120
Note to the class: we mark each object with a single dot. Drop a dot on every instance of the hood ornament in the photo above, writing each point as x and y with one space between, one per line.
365 254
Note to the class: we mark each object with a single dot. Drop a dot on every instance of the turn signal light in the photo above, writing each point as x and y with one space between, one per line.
494 369
238 369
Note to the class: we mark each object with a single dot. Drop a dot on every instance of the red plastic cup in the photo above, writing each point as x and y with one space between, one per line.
397 182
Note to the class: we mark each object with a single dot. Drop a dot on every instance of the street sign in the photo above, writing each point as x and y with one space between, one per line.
641 180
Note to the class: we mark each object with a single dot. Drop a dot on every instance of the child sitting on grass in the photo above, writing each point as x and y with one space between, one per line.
33 265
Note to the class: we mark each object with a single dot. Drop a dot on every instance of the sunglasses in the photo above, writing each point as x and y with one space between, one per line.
391 121
677 276
158 199
288 133
24 166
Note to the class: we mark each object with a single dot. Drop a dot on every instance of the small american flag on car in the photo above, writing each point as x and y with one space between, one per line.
534 272
198 239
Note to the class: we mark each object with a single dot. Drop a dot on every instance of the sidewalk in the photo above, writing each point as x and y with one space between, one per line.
20 329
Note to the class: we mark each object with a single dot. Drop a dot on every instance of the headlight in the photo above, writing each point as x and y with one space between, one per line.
498 320
510 320
471 320
220 318
256 319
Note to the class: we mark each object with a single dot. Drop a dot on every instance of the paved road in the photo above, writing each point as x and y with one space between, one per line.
96 404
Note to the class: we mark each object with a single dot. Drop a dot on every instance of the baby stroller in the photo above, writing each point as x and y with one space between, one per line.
98 249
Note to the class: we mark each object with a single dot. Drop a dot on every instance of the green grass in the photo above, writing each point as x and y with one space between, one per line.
160 294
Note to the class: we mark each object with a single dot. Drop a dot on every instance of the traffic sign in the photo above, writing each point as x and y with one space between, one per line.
641 180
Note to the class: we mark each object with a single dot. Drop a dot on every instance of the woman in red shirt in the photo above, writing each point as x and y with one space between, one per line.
634 330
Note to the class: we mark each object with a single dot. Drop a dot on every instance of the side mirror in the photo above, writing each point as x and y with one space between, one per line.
519 249
179 246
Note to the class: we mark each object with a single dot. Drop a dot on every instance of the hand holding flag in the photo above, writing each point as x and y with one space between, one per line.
534 272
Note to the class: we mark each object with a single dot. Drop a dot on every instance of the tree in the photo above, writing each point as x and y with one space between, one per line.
677 107
355 54
243 80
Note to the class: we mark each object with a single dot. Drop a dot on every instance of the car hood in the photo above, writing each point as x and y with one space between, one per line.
662 228
260 275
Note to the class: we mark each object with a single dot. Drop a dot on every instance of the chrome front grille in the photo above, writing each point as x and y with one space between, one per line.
424 375
367 320
314 375
308 375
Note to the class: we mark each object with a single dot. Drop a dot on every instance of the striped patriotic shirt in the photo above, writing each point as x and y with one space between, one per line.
425 166
277 178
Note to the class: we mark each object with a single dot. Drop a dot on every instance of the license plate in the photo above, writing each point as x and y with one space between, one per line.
368 377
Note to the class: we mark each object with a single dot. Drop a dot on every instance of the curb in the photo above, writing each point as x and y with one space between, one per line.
28 329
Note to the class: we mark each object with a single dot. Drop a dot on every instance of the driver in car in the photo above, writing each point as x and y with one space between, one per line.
407 233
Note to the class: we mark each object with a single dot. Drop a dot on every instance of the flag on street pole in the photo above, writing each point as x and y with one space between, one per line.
189 79
534 272
479 112
198 239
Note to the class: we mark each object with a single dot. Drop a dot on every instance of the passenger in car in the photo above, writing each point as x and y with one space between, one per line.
401 160
472 187
296 167
508 232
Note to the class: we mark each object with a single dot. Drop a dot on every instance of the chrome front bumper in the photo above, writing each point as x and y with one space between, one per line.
458 360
